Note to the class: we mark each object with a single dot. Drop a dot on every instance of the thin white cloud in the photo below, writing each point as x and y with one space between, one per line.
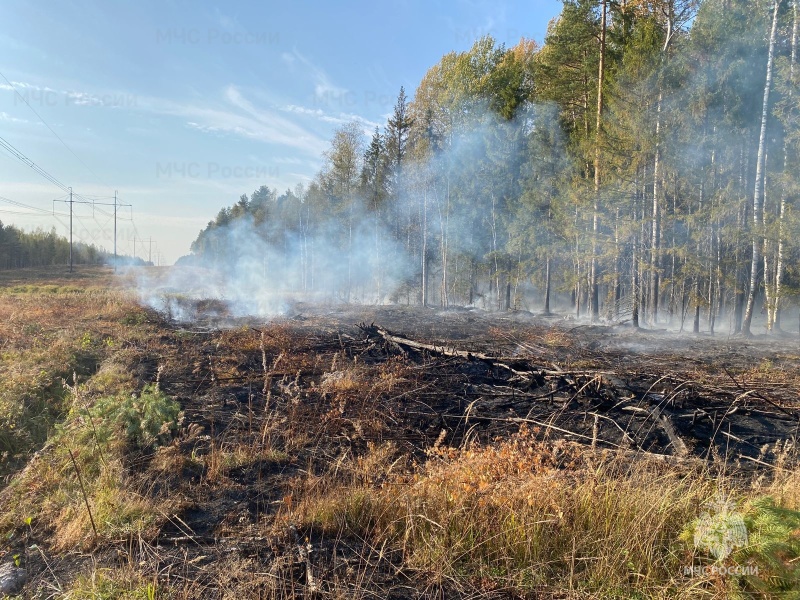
289 160
323 86
302 110
240 117
338 119
24 85
4 116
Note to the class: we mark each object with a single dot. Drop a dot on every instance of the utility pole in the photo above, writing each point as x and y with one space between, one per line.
149 242
115 204
115 231
70 230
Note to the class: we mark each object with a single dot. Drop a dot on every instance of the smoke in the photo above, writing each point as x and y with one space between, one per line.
248 270
456 209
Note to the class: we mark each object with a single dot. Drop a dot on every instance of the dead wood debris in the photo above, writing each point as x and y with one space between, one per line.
645 406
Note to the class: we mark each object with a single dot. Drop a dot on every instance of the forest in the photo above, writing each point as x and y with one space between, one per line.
20 249
638 165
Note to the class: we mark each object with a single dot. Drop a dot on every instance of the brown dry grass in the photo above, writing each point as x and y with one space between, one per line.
519 514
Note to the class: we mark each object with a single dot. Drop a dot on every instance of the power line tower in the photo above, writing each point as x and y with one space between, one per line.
72 201
70 229
115 231
149 242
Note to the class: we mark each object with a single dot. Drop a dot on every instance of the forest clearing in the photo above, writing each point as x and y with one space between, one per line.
357 451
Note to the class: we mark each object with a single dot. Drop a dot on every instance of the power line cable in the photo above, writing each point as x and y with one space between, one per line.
23 205
53 131
95 241
25 214
19 155
15 152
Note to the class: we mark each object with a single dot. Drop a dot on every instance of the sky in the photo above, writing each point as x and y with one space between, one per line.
182 107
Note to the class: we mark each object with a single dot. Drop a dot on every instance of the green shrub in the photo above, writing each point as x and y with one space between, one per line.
146 420
138 317
768 545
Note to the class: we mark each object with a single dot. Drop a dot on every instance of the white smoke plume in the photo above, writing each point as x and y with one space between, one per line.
250 276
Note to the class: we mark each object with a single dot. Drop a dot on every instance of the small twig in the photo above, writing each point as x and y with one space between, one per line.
57 585
625 437
540 424
264 365
74 390
83 491
760 396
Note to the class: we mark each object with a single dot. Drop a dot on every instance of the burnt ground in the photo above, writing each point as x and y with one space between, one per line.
313 387
724 398
730 403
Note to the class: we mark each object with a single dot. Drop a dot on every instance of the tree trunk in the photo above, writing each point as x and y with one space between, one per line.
425 247
494 253
758 196
445 232
635 257
766 251
593 284
614 293
655 238
776 316
547 286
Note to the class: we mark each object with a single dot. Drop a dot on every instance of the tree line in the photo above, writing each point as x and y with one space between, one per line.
39 248
641 164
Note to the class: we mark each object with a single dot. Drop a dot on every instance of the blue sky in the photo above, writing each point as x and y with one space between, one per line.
184 106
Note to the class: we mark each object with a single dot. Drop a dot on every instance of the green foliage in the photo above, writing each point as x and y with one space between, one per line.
32 400
138 317
768 551
567 65
773 546
107 584
146 420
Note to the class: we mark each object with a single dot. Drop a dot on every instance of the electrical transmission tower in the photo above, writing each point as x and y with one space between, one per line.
72 201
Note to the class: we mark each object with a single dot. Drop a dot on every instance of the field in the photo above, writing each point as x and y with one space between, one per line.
385 452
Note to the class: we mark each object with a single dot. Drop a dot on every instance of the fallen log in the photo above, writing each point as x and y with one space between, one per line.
441 350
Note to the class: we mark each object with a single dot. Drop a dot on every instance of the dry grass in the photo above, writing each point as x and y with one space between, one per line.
113 583
517 515
47 334
63 350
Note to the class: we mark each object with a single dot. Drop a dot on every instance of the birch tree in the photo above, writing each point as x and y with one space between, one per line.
758 196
